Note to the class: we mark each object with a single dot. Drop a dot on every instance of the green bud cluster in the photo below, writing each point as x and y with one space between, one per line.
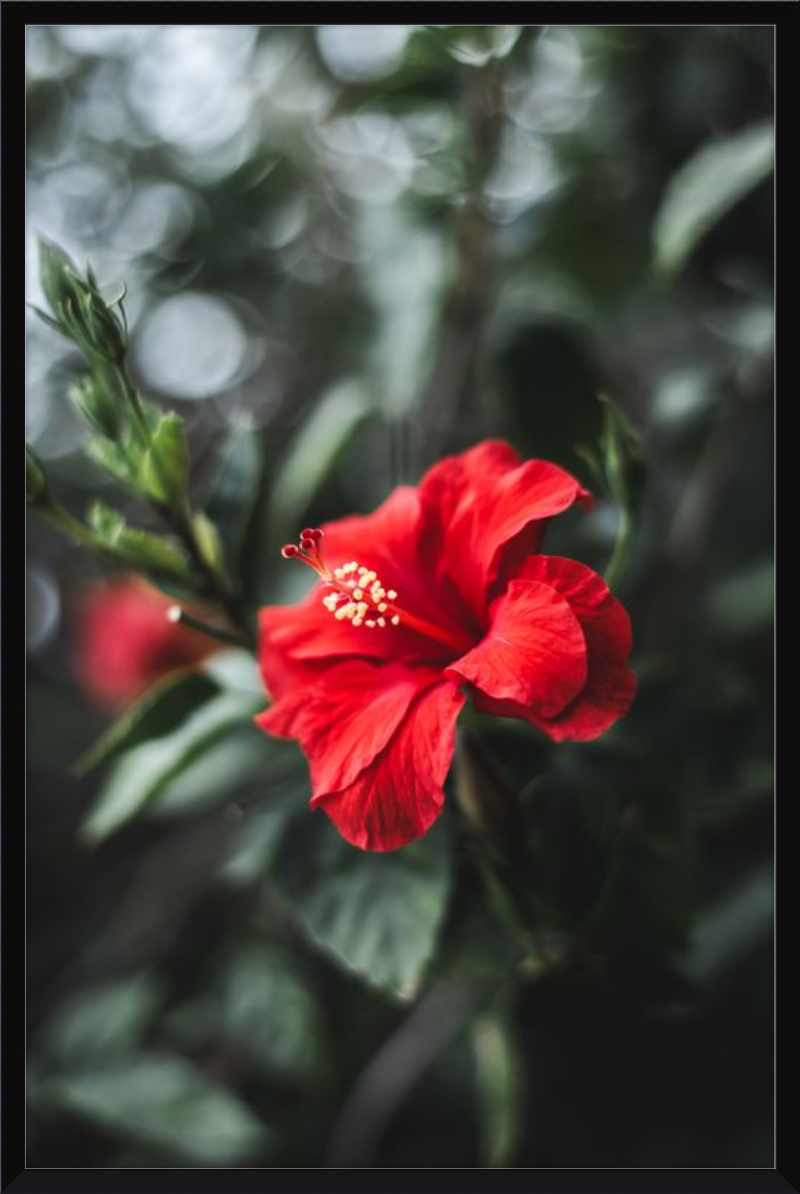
79 310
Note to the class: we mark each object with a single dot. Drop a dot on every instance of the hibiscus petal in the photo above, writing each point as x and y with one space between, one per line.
297 643
534 652
485 503
344 720
610 684
399 796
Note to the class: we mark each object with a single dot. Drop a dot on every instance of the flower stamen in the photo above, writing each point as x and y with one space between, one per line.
357 595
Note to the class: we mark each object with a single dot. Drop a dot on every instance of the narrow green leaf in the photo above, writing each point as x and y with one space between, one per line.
107 524
262 1006
314 452
152 552
164 470
624 473
145 770
498 1087
209 542
53 324
139 548
376 914
706 187
35 478
111 458
162 1101
98 406
101 1022
160 710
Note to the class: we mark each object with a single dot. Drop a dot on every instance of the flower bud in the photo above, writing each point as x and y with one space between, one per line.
57 273
81 313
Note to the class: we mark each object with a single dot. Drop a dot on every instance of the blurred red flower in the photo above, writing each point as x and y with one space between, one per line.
125 642
448 591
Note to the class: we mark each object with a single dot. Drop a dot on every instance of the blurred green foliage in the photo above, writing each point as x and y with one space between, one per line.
348 251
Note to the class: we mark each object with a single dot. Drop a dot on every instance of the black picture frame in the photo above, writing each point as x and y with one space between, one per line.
785 1175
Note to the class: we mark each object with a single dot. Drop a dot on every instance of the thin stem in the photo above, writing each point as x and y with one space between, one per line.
180 520
131 395
215 585
182 618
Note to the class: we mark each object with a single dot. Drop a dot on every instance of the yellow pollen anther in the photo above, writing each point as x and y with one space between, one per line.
351 599
353 590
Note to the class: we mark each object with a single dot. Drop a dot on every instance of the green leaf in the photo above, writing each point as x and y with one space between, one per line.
164 473
107 524
733 927
145 770
101 1023
230 770
235 669
310 459
623 469
150 551
498 1087
137 547
262 1006
233 501
53 324
376 914
209 542
161 709
706 187
256 844
35 479
164 1102
111 458
99 407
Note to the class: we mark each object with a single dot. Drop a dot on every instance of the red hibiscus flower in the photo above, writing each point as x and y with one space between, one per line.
125 642
442 589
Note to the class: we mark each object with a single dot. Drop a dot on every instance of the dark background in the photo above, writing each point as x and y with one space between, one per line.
368 247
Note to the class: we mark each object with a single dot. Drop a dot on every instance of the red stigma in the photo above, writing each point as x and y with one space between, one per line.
288 550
